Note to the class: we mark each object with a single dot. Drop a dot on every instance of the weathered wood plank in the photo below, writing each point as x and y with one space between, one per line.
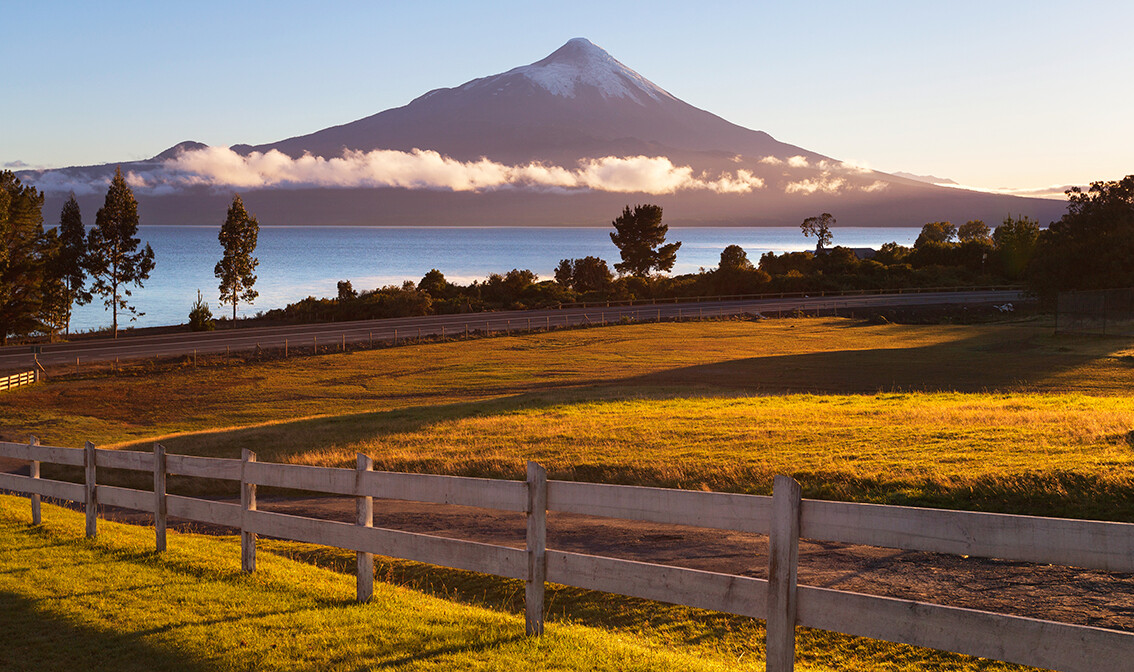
716 510
1014 639
302 477
33 472
124 459
364 517
73 492
486 493
247 505
91 501
534 584
51 454
468 555
203 510
160 510
127 498
783 564
203 467
729 593
1056 541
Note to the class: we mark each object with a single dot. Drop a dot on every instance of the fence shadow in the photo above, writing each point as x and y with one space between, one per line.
38 640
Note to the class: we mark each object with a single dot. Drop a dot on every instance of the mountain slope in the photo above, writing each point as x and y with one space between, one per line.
556 142
578 102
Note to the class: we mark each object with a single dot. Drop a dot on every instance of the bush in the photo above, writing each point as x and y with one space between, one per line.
200 317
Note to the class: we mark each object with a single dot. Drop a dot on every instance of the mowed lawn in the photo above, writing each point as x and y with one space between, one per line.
1005 417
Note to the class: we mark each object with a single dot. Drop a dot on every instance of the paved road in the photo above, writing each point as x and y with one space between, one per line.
303 338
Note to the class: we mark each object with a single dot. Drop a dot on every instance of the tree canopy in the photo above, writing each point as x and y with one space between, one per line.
236 268
1090 247
820 227
70 259
936 232
23 257
639 235
113 258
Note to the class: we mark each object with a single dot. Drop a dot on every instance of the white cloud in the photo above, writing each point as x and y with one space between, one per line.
771 161
418 169
824 183
797 161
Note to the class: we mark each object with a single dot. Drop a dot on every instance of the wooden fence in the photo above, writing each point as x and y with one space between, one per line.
785 516
18 379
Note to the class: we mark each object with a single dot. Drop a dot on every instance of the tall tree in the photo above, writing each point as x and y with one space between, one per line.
69 260
936 232
1015 243
22 257
639 236
113 258
820 227
974 230
235 269
734 258
1091 246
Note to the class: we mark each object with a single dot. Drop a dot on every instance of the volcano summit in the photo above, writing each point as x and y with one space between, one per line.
567 140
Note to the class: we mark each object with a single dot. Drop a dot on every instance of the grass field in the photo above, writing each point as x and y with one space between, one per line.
1002 417
68 603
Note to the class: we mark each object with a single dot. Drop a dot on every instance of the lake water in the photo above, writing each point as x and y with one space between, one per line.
296 262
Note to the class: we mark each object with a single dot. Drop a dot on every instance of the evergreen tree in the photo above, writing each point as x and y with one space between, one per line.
22 258
68 264
639 236
235 269
113 258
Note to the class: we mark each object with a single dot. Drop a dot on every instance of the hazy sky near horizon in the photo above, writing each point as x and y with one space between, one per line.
993 94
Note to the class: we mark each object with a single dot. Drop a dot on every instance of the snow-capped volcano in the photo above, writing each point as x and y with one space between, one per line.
579 63
568 139
578 102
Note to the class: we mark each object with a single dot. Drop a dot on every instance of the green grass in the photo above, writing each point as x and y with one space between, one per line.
70 603
1003 417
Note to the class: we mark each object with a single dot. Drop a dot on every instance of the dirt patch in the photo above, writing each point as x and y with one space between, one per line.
1068 594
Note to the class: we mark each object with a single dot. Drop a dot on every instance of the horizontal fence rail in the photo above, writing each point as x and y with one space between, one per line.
785 517
18 379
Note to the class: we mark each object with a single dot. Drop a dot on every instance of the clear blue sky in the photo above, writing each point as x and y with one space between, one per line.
990 94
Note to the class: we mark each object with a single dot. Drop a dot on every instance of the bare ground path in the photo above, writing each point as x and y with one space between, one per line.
1050 592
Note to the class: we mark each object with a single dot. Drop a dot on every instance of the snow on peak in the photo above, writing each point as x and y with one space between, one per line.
580 62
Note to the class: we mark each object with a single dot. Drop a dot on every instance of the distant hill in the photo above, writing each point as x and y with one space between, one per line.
567 140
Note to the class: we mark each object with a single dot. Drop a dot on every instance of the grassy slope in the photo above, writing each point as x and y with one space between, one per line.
69 603
1000 417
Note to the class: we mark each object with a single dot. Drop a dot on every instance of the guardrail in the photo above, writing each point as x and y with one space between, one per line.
789 295
18 379
784 516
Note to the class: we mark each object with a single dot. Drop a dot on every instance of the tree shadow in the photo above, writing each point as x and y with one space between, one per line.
38 640
990 361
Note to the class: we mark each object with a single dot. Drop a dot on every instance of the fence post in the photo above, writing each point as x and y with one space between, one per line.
783 562
247 503
159 497
537 548
36 515
91 505
364 508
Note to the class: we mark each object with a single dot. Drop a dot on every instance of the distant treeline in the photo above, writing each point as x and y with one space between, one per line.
1091 247
938 258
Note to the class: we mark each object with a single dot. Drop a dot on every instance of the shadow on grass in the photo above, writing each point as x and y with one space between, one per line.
998 360
37 640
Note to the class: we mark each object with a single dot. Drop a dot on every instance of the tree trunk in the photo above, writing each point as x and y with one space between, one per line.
114 307
234 311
